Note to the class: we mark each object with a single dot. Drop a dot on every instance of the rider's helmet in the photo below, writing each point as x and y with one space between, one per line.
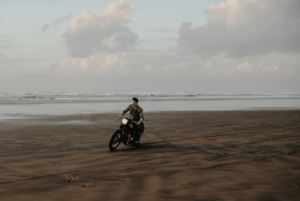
135 99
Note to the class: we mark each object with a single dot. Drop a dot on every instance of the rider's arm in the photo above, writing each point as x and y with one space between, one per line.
126 110
141 116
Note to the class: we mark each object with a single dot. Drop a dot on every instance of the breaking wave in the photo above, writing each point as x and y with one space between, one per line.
86 97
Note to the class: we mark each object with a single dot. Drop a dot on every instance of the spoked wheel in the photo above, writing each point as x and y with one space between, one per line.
115 140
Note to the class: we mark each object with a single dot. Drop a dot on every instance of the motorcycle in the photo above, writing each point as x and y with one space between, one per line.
125 134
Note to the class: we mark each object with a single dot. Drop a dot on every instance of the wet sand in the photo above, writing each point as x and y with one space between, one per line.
216 155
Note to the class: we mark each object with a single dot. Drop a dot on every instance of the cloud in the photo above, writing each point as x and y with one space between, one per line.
138 62
232 67
62 20
141 72
103 64
90 33
167 64
172 67
56 22
240 28
44 28
163 29
159 40
233 46
5 36
5 41
10 44
100 63
18 60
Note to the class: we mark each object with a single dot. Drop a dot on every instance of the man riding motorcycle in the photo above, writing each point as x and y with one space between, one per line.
136 114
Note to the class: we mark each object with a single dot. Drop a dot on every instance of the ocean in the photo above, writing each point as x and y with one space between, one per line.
29 104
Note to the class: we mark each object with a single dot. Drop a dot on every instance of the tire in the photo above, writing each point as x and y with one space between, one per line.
114 140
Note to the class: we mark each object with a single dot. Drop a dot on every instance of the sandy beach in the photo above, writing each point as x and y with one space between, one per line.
208 155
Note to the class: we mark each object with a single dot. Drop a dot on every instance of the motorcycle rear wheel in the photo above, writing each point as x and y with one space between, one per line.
115 140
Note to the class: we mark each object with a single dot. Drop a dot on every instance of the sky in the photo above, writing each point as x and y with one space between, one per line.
154 46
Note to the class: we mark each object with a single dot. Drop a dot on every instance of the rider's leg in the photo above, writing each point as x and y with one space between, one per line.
137 133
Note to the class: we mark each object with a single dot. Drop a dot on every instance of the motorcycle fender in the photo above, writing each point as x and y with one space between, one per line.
122 126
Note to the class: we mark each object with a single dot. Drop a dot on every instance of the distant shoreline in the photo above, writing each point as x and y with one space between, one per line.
13 111
75 118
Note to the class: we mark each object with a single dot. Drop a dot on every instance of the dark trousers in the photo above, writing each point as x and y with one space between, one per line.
138 129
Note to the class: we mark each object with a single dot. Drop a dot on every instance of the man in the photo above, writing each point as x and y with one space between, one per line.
136 114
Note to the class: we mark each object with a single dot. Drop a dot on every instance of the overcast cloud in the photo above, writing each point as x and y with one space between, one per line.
231 43
44 28
90 33
249 45
62 20
56 23
249 27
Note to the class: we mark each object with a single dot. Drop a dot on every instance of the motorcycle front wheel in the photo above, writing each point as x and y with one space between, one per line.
115 140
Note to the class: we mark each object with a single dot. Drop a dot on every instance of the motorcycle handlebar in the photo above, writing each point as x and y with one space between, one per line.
121 118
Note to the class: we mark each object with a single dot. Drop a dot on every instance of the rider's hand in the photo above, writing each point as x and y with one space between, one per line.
138 123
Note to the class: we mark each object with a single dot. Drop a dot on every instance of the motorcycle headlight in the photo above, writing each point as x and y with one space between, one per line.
124 121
